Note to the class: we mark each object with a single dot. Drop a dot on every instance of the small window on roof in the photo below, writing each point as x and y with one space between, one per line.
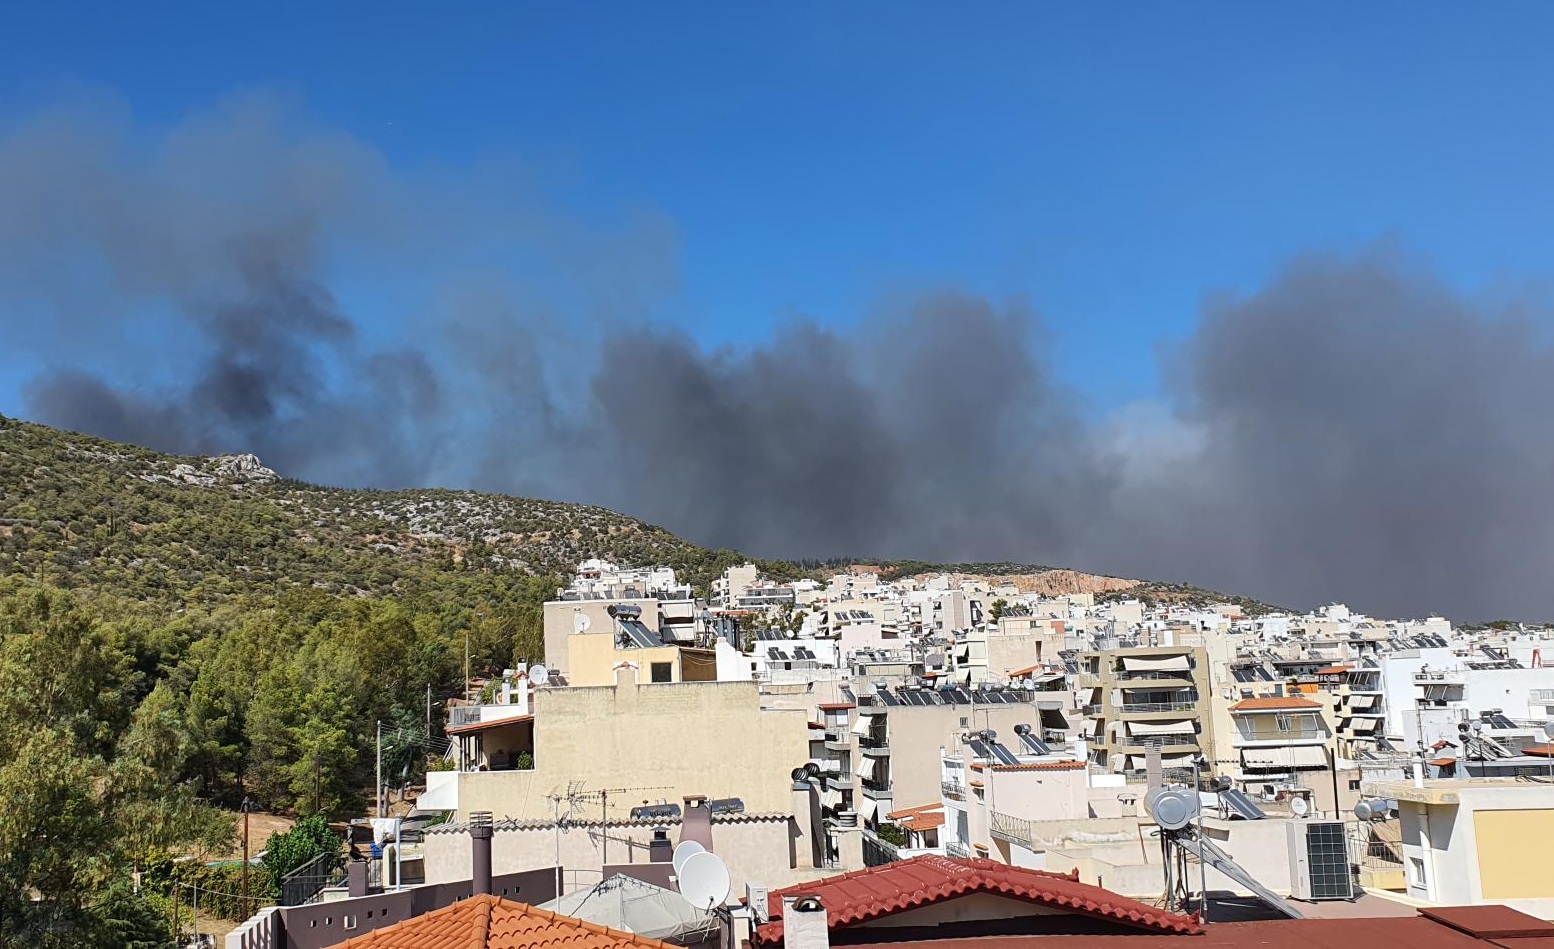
662 672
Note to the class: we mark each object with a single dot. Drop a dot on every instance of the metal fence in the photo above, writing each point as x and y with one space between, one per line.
303 884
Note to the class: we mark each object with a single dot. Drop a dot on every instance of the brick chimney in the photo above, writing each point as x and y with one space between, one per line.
804 923
480 852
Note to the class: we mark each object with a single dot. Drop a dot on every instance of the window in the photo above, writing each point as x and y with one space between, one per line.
663 671
1416 865
1354 785
348 921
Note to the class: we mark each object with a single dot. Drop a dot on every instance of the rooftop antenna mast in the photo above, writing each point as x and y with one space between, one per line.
602 795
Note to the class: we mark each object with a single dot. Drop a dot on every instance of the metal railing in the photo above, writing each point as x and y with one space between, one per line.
1251 734
463 715
1144 741
1014 829
1543 696
953 790
1154 674
877 850
303 884
879 746
1181 705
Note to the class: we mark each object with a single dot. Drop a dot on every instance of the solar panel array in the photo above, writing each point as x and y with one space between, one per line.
1035 745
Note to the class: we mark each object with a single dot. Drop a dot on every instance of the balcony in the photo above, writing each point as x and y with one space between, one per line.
1144 741
1013 829
1146 708
874 746
1544 697
953 790
877 790
958 850
1276 735
838 741
1183 675
844 781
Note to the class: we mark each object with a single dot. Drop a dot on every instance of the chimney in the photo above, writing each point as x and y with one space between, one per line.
804 923
659 848
480 851
626 674
696 821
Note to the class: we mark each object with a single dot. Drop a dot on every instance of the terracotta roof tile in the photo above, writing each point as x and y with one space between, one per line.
922 822
905 884
906 811
1028 670
488 922
1275 703
1489 922
835 706
1032 766
1333 670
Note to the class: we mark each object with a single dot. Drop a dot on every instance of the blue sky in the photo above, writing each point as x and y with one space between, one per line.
1112 163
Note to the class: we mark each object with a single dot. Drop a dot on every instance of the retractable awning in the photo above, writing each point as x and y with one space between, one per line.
1184 727
1308 756
861 726
1362 701
867 766
1155 663
865 806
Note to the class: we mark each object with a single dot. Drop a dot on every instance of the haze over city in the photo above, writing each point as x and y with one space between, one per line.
1250 299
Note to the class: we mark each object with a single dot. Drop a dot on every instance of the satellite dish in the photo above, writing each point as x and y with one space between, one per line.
704 880
1548 729
1175 808
538 674
581 622
1299 807
683 851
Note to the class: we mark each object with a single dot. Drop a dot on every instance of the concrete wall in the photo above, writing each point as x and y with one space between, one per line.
320 925
917 732
663 741
757 849
1480 843
558 618
594 656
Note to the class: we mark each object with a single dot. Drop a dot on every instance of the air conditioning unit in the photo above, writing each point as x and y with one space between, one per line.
1319 861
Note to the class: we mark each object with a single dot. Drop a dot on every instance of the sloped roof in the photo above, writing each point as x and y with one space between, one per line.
489 922
893 887
1275 703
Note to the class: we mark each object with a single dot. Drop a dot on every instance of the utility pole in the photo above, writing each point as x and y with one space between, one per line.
243 893
380 769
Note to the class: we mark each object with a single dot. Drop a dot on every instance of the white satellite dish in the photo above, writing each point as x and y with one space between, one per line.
1548 729
1299 807
581 622
538 674
683 852
704 881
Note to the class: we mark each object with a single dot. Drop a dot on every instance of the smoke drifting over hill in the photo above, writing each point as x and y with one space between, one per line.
1355 430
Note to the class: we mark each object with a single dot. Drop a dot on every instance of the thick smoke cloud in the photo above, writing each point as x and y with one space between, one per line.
1356 430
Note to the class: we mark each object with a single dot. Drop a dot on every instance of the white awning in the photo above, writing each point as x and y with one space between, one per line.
861 726
1308 756
1183 727
1154 663
866 767
1262 758
865 806
830 798
1365 724
1363 701
1177 759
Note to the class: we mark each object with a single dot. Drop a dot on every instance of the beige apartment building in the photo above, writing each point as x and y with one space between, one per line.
649 741
1282 749
1140 696
900 735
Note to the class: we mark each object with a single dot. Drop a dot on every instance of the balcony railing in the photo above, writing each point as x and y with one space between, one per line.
1543 696
1013 829
953 790
955 848
303 884
1278 735
1155 674
874 746
1144 741
1181 705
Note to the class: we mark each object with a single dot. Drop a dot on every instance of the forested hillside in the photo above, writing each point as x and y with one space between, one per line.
177 633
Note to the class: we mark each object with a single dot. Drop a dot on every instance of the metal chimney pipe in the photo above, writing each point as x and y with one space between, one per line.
480 852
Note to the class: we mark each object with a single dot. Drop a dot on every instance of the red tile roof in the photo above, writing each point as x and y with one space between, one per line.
1546 751
1032 766
1028 670
1490 922
922 822
908 811
488 922
1413 932
1275 703
906 884
1443 762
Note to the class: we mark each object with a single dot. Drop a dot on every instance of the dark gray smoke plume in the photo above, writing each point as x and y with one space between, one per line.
1354 431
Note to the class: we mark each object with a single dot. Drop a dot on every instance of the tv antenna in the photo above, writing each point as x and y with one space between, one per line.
602 795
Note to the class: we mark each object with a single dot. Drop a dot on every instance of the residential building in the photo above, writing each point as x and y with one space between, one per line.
1282 747
1475 841
1135 697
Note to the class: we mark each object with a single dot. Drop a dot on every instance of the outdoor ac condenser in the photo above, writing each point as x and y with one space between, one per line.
1319 861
